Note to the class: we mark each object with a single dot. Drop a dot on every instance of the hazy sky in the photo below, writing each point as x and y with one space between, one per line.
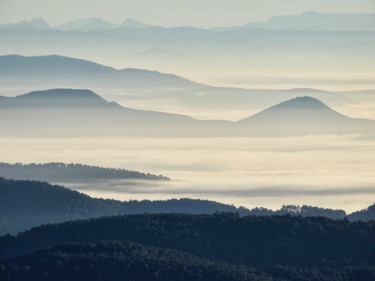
202 13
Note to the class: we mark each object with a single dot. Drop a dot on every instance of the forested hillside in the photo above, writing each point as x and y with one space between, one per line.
122 260
257 241
25 204
117 260
63 172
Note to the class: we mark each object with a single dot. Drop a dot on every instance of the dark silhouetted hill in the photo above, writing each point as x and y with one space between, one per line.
367 214
119 260
25 204
257 241
62 172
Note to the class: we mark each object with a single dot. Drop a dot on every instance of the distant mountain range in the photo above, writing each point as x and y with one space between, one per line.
309 20
65 70
88 24
33 24
150 88
255 49
67 112
312 21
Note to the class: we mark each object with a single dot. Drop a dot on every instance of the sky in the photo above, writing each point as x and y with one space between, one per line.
200 13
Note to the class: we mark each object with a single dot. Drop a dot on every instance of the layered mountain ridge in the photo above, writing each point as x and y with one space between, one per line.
309 20
66 70
93 114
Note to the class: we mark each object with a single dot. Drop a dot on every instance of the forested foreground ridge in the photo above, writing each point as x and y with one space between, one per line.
257 241
161 241
123 260
71 172
25 204
119 260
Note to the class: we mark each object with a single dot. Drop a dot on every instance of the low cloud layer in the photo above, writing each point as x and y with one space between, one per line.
328 171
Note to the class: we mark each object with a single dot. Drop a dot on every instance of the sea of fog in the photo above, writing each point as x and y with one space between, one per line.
327 171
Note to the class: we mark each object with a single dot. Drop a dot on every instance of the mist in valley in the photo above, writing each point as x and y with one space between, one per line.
227 73
327 171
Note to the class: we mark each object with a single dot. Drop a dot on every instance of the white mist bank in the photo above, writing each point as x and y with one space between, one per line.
326 171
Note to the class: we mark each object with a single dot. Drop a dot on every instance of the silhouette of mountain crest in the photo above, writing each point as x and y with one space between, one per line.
305 102
297 109
62 94
63 98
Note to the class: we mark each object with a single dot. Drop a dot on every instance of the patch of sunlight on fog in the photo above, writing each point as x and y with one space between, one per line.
248 79
366 111
328 171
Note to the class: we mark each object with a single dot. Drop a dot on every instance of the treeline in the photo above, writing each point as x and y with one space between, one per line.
305 211
62 172
25 204
257 241
366 214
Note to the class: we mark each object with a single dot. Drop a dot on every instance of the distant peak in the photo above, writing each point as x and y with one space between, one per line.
61 94
134 24
304 99
304 102
310 13
300 109
87 24
37 23
36 20
129 21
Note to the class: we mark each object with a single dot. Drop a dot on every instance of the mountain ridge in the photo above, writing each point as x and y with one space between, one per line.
29 203
307 20
72 70
87 24
311 21
131 23
257 241
303 106
302 115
